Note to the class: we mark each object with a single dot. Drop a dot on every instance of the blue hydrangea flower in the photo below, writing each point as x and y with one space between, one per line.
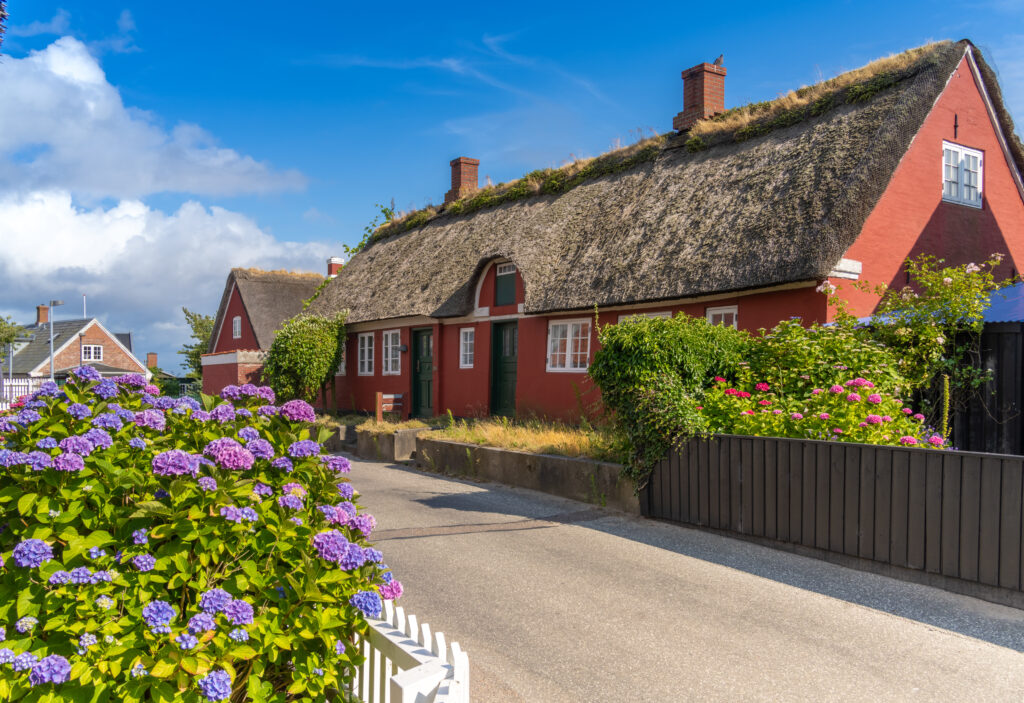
186 641
9 458
79 411
24 661
296 520
225 412
86 373
51 669
214 600
105 602
318 671
338 464
175 462
387 575
3 633
208 483
140 536
261 449
266 393
138 670
81 575
262 489
200 416
26 624
161 493
68 462
248 434
339 648
131 380
153 419
331 545
27 417
248 389
239 635
188 403
203 622
235 514
267 410
96 552
144 562
242 412
137 443
30 553
238 612
39 460
368 602
49 389
109 421
47 443
6 655
231 392
7 427
106 390
76 444
216 685
158 615
87 640
373 555
283 463
165 403
101 577
290 501
298 411
353 558
100 438
303 448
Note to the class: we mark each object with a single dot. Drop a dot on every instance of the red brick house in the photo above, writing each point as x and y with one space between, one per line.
486 304
76 342
252 308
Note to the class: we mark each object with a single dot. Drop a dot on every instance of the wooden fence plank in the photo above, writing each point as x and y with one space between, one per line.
810 502
933 512
970 517
735 488
724 469
771 490
883 503
677 468
822 474
714 451
758 494
988 544
916 505
692 481
1009 525
950 536
837 491
703 481
748 495
851 496
782 469
866 527
900 506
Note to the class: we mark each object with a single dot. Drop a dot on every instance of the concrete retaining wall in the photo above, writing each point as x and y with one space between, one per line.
584 480
342 439
397 446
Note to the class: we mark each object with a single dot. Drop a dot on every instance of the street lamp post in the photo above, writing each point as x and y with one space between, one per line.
53 304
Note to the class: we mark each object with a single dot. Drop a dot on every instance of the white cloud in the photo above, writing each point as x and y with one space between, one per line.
137 265
125 22
58 25
65 127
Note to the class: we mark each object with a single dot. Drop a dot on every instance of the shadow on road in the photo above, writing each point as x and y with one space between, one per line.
967 616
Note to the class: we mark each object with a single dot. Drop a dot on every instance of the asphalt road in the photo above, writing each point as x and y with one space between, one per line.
560 601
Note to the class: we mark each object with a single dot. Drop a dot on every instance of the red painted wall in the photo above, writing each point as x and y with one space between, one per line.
466 391
911 219
248 339
217 376
355 392
486 299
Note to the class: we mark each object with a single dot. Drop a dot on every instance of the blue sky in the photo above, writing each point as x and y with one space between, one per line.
273 131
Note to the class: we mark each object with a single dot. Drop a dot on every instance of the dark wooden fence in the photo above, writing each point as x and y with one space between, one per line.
957 514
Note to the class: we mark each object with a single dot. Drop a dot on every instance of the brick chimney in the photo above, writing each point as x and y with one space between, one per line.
334 265
151 360
703 95
464 179
42 314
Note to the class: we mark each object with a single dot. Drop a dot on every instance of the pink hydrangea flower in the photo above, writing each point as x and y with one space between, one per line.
853 398
936 440
797 416
764 402
862 424
762 387
837 430
747 412
744 394
836 389
719 379
776 412
918 416
874 420
907 440
816 391
906 411
875 398
824 416
886 418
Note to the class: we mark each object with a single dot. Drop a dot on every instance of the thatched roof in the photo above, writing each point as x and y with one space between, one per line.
727 216
269 298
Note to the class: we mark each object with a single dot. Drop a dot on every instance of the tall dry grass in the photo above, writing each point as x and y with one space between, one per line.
534 436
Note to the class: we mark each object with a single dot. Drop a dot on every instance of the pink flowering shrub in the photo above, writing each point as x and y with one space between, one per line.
838 412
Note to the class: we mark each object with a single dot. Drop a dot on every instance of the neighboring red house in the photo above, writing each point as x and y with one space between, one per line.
493 311
252 309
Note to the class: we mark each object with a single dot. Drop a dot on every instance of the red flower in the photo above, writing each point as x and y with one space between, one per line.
762 387
765 402
719 379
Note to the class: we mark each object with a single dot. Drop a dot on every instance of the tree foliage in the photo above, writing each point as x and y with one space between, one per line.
9 331
304 355
202 329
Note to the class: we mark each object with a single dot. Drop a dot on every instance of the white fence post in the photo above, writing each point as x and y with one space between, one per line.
12 389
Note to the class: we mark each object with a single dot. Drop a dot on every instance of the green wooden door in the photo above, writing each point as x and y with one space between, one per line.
423 373
504 352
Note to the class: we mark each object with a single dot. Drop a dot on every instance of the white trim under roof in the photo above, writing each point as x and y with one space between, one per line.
847 268
220 327
995 122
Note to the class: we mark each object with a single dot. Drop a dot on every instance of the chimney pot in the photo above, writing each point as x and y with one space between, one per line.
334 265
464 178
151 360
42 314
703 95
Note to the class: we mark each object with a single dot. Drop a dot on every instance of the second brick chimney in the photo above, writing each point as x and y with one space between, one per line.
42 314
334 265
151 360
703 95
464 179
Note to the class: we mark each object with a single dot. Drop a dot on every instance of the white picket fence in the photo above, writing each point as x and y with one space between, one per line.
405 664
13 388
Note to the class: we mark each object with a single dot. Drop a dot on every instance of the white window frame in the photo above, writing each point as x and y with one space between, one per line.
504 269
709 314
92 352
467 347
663 314
962 153
569 338
365 363
391 353
236 327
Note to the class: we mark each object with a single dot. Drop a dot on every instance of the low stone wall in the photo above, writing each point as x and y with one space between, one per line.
584 480
397 446
342 439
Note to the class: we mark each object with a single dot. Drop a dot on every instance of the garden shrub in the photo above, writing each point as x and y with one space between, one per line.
159 549
304 355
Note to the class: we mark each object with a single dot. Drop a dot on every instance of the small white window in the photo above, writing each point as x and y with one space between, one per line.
366 354
961 175
505 269
626 317
236 327
467 339
392 353
569 345
92 352
726 315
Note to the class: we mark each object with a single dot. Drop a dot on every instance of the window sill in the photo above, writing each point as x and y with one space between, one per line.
551 370
976 206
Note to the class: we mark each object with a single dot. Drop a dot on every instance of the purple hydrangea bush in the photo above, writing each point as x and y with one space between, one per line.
154 548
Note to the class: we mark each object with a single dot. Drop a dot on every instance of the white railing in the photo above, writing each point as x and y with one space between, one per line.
404 664
12 389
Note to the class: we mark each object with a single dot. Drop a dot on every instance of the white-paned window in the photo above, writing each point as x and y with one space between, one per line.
569 345
467 342
392 353
961 174
725 315
92 352
236 327
628 316
505 269
366 354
